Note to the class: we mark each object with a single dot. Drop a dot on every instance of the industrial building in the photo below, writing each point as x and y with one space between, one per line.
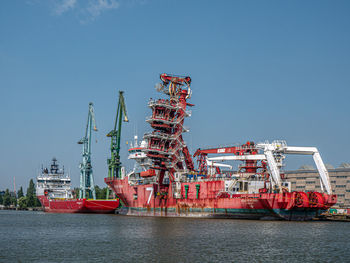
307 179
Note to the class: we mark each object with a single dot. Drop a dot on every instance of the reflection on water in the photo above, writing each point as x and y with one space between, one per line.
41 237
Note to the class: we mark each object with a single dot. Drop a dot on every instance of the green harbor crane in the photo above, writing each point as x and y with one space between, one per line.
87 187
114 164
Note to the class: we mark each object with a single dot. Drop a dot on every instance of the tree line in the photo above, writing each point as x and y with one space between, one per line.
23 201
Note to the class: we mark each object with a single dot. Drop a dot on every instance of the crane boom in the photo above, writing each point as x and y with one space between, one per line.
87 187
114 164
240 153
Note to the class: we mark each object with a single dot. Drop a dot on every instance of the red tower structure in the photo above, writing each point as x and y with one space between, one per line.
166 147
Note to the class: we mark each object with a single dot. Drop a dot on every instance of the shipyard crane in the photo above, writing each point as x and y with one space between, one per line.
114 164
243 150
87 187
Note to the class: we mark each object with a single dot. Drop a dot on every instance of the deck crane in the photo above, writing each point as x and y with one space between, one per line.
114 164
243 150
87 187
274 154
275 151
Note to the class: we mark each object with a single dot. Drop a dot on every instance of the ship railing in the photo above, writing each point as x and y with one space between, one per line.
174 151
163 103
161 119
56 176
151 119
176 159
160 135
159 150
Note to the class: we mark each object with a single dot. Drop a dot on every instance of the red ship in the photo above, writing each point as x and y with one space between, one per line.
78 205
169 185
54 192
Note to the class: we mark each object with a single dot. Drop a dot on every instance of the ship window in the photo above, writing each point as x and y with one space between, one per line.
245 186
340 186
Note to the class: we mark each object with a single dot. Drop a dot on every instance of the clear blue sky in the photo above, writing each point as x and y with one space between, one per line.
261 70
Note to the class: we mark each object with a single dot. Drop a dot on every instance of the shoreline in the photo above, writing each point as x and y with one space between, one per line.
26 209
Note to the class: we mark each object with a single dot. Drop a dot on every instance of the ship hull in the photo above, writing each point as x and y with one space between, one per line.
78 205
254 214
205 199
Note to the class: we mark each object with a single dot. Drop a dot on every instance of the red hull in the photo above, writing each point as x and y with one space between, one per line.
208 201
78 205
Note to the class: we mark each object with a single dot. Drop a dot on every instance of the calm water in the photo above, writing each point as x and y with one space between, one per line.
40 237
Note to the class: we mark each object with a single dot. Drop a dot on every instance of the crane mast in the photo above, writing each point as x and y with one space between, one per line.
87 187
114 164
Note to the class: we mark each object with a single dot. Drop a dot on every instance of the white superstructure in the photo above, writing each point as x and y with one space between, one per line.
53 182
137 154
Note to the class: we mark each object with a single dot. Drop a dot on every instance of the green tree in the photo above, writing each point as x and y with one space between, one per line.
103 193
22 202
13 200
1 199
37 202
100 192
32 200
20 193
7 198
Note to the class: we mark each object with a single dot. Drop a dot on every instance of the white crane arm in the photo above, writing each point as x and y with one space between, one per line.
274 170
210 163
321 168
238 157
299 150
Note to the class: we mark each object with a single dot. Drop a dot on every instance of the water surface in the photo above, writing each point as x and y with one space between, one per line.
42 237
